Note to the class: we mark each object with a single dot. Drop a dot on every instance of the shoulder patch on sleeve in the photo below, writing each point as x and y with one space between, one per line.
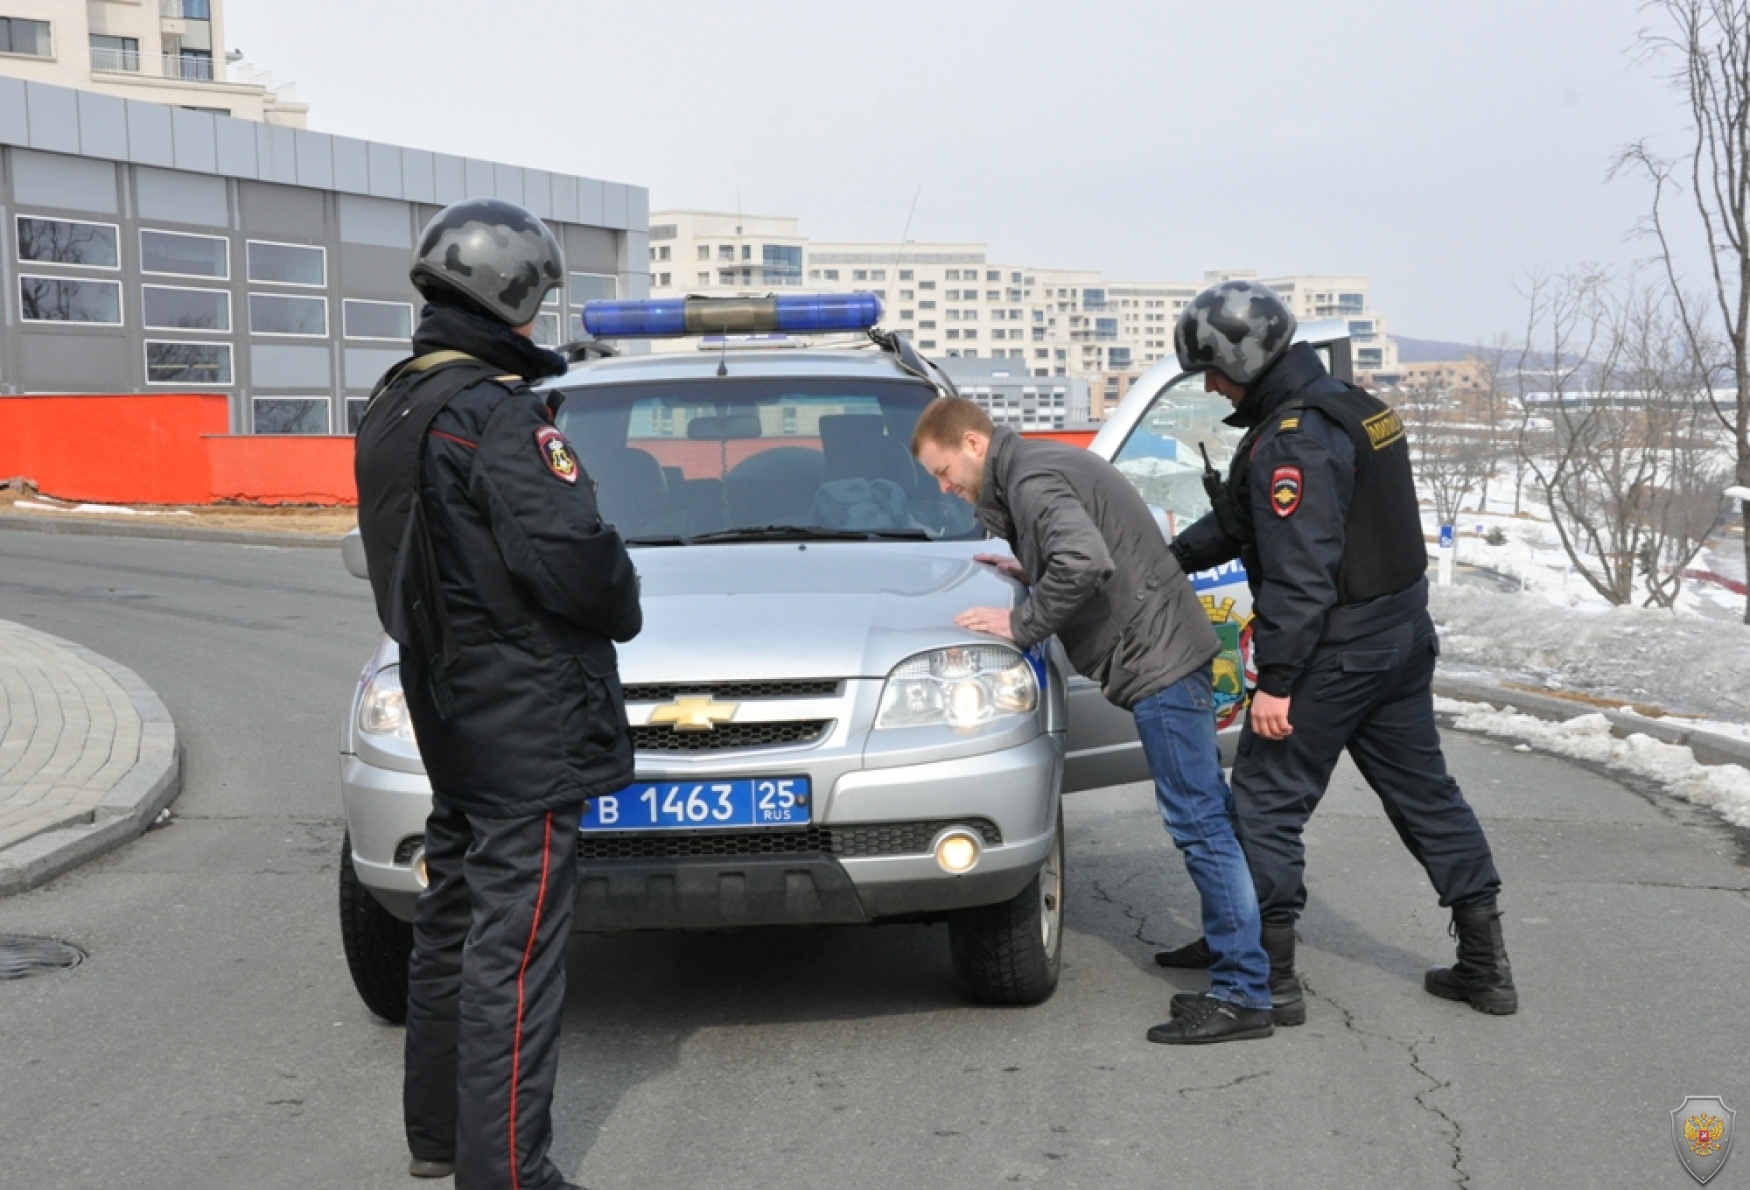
1288 424
1285 490
1383 429
556 453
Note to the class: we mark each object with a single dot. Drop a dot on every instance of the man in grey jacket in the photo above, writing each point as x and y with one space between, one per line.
1103 582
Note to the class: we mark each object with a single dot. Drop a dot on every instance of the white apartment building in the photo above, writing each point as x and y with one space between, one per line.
954 302
161 51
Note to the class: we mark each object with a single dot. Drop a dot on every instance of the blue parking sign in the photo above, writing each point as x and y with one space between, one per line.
1446 537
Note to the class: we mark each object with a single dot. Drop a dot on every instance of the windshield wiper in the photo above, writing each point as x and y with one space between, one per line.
664 539
786 533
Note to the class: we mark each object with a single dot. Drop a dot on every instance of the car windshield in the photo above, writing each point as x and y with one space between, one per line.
760 459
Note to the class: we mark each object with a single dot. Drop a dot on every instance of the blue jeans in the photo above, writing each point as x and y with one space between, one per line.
1177 727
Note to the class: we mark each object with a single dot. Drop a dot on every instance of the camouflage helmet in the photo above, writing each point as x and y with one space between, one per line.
493 253
1239 328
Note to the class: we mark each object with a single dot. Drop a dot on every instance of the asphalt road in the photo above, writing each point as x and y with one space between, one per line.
213 1039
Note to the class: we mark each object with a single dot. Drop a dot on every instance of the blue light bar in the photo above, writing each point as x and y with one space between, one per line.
797 314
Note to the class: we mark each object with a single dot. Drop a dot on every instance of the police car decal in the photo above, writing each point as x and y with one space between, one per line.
556 453
1285 490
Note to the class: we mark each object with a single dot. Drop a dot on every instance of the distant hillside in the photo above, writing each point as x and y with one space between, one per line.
1422 351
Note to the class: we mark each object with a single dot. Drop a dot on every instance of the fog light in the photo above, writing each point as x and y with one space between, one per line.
419 869
958 851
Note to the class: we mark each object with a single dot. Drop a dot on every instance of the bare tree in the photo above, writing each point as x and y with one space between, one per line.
1708 44
1451 451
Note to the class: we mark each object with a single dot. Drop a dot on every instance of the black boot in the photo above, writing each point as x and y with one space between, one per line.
1286 1001
1192 954
1481 976
1207 1020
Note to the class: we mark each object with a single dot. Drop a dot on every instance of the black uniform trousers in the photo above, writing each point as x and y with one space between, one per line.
1371 696
486 988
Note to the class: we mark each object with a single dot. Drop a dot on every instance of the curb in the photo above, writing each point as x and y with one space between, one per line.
126 811
1708 747
36 524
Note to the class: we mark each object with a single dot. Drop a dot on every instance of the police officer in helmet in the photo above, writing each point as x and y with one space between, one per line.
1320 507
492 567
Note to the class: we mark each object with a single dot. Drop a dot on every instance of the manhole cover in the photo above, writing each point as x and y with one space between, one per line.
20 957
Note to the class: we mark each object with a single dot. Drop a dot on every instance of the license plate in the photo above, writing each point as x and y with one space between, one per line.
696 805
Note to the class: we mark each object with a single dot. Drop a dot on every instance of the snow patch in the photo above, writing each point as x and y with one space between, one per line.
1722 788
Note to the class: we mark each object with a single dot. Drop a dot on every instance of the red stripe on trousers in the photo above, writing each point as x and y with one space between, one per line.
516 1053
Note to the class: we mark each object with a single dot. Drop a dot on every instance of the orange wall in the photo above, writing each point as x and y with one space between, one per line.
113 449
1073 437
274 469
164 448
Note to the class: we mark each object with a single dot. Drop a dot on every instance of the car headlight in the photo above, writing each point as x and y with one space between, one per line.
963 687
383 709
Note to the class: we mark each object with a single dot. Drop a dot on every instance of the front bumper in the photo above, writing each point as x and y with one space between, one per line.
1012 793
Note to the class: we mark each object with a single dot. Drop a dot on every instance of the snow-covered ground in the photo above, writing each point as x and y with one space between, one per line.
1556 633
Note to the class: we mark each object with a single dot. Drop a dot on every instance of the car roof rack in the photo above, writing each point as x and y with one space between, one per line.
911 360
579 350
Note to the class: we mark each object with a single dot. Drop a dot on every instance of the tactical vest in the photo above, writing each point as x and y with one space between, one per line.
387 463
1383 548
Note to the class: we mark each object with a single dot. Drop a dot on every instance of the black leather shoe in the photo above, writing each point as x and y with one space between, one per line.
421 1168
1208 1020
1191 955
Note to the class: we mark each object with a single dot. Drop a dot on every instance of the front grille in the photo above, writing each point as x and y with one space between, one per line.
862 839
728 735
741 691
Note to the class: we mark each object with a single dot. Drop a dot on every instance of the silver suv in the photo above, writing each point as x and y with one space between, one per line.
817 742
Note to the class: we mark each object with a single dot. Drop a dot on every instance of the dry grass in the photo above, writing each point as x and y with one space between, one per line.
1591 700
303 519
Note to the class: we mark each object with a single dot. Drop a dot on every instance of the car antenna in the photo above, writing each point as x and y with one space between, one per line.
899 249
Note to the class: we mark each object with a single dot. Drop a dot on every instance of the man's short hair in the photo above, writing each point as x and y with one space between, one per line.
945 422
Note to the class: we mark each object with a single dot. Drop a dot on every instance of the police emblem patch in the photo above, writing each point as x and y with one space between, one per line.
1285 490
1701 1128
556 453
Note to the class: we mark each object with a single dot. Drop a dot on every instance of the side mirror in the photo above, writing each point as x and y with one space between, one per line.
352 553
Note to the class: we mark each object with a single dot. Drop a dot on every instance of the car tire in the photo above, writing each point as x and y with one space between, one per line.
377 943
1012 953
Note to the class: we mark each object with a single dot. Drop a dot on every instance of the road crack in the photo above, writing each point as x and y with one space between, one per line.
1130 911
1453 1129
1244 1078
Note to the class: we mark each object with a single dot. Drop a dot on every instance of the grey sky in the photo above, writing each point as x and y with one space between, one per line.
1441 149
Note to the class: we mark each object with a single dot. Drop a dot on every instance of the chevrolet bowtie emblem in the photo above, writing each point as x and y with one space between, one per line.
694 714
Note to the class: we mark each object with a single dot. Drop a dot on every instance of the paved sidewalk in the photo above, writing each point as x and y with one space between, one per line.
88 756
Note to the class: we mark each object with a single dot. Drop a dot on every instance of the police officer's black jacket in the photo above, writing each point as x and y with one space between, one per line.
1321 509
507 629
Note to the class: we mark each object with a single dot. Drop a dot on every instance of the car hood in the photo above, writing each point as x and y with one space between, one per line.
803 610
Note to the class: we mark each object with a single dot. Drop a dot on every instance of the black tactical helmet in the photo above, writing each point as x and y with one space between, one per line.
1239 328
499 257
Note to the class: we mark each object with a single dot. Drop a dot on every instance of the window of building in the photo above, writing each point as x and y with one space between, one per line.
906 295
704 252
163 308
747 251
664 231
589 287
664 253
953 333
1105 329
355 413
183 255
188 363
287 264
546 332
282 314
69 242
905 315
971 333
290 415
832 274
859 274
63 299
926 305
953 274
115 53
927 325
704 278
905 274
926 285
1041 353
927 344
877 274
952 315
726 276
361 319
665 279
19 36
992 275
783 264
725 251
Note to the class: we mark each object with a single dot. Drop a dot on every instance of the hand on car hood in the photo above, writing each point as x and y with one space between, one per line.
826 609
